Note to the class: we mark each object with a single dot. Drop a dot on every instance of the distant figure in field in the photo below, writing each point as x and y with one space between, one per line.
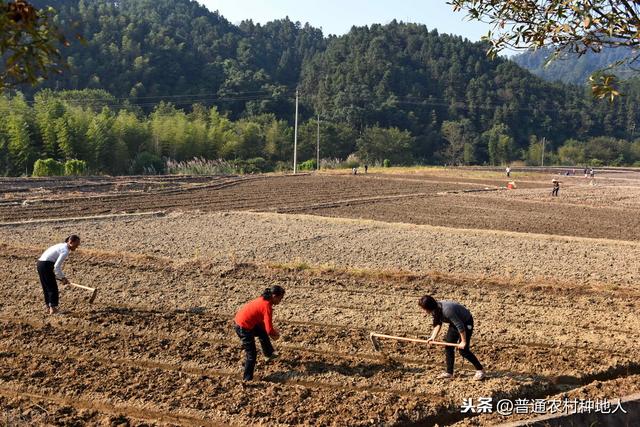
366 168
50 269
508 171
586 172
460 323
254 319
592 173
355 171
556 187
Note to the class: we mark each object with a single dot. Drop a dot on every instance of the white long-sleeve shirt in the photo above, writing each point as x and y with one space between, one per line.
56 253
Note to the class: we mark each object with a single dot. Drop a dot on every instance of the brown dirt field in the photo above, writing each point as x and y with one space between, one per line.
159 339
610 209
346 243
265 193
555 315
494 212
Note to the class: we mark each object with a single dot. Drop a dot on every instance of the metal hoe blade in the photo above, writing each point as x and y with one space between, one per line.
374 342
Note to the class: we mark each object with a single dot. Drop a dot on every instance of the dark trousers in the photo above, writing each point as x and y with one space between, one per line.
454 336
555 190
48 282
247 336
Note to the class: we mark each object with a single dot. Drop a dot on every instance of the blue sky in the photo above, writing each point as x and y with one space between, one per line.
338 16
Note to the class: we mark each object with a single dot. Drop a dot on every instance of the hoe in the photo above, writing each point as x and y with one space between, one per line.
94 291
374 337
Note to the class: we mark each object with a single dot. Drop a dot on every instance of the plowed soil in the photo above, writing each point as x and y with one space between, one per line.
555 308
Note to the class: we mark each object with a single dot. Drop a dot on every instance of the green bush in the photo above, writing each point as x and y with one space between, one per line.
353 161
596 162
283 166
147 164
254 165
386 163
618 161
75 167
258 165
350 164
309 165
48 167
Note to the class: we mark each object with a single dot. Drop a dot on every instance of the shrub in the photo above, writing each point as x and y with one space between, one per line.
258 165
283 166
75 167
386 163
48 167
596 162
353 161
254 165
147 163
309 165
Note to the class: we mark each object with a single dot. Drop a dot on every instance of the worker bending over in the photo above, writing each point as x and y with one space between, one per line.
254 319
50 268
460 330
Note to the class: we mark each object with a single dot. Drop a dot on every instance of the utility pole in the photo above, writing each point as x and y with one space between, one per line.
295 140
543 142
318 146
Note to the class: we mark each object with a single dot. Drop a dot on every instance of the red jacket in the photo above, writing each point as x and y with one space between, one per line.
256 313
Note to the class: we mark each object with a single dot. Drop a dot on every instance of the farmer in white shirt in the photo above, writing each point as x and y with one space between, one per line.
50 269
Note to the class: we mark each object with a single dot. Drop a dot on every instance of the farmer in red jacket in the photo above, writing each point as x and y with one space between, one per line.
254 319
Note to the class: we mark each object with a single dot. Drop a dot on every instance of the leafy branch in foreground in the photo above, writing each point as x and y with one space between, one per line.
566 26
28 43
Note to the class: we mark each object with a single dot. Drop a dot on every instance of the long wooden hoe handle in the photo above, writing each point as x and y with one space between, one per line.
393 337
82 286
94 291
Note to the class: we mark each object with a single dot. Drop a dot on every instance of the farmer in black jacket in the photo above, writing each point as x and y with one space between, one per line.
460 329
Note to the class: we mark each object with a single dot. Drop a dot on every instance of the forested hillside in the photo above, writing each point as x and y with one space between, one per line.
571 68
169 79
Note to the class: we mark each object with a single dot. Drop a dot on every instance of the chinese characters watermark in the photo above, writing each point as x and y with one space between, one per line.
486 405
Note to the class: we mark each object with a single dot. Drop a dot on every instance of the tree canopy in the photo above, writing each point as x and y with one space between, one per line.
170 80
28 43
566 26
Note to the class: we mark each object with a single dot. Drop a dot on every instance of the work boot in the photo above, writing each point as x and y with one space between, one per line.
479 376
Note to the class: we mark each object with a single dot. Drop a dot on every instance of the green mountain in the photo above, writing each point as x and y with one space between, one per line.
145 49
160 79
572 68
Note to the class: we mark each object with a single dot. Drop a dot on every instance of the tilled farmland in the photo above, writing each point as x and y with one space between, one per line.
555 312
